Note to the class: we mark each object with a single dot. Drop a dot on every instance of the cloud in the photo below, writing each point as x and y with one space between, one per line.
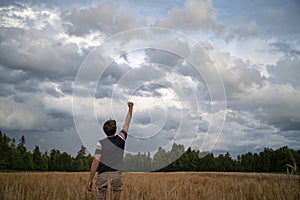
26 112
261 16
273 104
40 46
236 73
286 16
286 48
195 15
16 80
269 102
108 18
286 71
244 132
163 57
105 17
247 30
52 62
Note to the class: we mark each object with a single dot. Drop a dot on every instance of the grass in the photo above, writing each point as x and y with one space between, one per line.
177 185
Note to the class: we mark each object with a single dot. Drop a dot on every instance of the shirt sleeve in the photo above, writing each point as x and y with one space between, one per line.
98 148
123 134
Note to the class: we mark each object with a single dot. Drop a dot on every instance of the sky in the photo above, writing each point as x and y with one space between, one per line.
214 75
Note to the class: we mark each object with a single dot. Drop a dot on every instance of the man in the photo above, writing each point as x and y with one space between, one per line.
108 159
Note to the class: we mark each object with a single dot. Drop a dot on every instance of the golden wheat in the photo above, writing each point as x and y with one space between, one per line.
177 185
54 185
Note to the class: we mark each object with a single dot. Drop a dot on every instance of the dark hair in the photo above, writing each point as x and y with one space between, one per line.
110 127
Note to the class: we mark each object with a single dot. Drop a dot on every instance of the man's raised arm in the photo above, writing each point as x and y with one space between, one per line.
128 117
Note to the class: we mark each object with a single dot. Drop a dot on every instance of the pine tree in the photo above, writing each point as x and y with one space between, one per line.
5 151
37 159
80 163
21 145
160 159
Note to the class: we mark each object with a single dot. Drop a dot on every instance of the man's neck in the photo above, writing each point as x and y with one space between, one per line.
111 136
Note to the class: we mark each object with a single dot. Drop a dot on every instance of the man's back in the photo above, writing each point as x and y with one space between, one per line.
112 154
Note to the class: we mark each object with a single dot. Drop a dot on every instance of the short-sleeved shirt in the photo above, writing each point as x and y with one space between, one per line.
112 153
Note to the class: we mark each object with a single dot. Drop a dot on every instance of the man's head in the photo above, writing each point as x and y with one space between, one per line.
110 127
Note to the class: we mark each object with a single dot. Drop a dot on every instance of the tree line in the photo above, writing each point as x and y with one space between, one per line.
16 157
177 159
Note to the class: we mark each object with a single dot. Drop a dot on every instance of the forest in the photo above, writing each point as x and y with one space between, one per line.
15 157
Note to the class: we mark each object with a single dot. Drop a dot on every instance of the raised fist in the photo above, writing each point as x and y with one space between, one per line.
130 104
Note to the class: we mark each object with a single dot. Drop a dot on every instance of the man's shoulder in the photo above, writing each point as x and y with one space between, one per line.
101 140
116 138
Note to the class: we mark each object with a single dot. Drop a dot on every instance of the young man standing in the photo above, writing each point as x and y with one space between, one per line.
108 159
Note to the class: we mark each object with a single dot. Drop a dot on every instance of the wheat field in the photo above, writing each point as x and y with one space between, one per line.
177 185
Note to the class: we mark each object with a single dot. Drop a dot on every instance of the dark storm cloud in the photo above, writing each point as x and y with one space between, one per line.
16 81
50 62
287 124
6 90
30 85
174 62
33 62
110 76
285 117
29 42
20 98
276 105
61 115
52 91
286 48
28 112
103 91
11 76
66 87
113 73
273 100
163 57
